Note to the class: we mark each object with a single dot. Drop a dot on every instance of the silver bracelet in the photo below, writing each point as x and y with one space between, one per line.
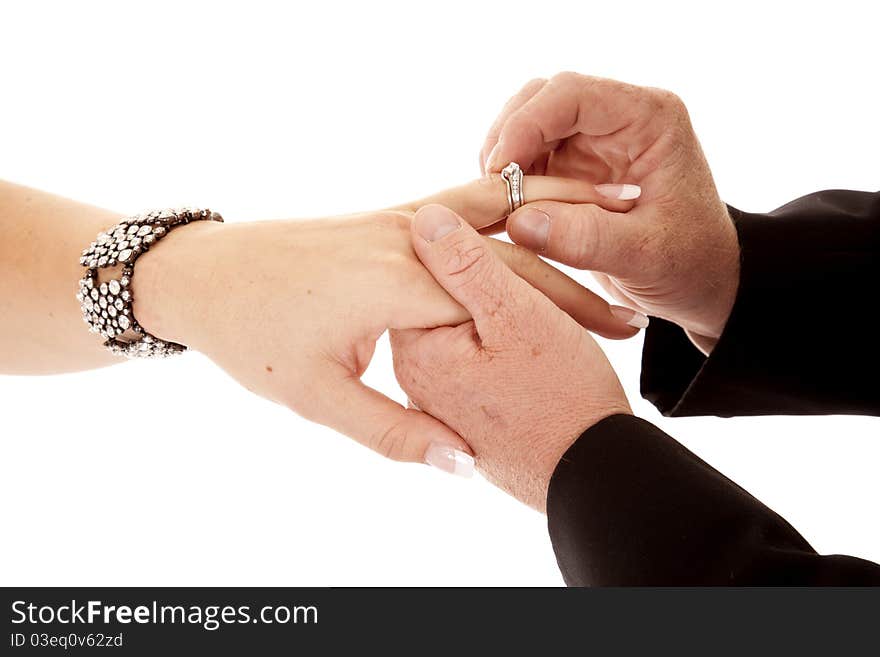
107 306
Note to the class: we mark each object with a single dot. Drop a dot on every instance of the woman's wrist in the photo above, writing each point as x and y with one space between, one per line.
171 286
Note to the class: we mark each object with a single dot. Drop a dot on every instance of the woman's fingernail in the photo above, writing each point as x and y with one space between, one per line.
434 222
532 226
631 317
625 192
450 460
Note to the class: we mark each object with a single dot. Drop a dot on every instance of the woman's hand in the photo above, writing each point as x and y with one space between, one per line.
675 253
293 309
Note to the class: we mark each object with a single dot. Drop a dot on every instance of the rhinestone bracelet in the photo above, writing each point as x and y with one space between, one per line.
107 306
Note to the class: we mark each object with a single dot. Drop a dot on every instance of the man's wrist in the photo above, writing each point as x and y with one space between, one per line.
702 342
554 451
723 276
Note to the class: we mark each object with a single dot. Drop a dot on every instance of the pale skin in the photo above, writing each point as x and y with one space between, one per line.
675 254
291 309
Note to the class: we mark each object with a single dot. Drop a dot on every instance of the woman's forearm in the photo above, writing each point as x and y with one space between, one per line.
41 326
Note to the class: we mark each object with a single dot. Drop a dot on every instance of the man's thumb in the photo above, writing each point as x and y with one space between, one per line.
585 236
465 266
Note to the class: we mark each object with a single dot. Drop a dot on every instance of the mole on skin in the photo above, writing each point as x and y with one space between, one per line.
268 368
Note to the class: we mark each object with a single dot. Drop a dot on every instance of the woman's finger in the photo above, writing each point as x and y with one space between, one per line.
398 433
586 307
483 202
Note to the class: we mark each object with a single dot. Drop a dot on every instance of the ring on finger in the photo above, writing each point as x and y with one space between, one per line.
513 177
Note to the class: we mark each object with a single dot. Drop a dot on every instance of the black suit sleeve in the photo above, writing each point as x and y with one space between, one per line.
630 506
800 338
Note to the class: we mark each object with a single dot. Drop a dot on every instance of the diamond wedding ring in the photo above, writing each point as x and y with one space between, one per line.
513 178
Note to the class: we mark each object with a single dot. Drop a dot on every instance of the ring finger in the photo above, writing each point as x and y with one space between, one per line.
483 202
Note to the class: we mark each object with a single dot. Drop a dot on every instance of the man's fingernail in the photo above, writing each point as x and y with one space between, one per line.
434 222
532 226
631 317
625 192
490 159
450 460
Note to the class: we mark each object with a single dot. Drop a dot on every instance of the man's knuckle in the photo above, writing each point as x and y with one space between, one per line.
535 83
566 78
675 103
466 261
663 100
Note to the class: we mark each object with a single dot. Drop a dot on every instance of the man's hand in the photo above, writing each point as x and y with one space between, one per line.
521 381
675 253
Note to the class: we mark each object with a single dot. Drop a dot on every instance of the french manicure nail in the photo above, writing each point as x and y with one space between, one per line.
631 317
434 222
450 460
624 192
531 227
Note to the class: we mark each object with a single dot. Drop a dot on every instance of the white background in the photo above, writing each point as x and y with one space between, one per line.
261 110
